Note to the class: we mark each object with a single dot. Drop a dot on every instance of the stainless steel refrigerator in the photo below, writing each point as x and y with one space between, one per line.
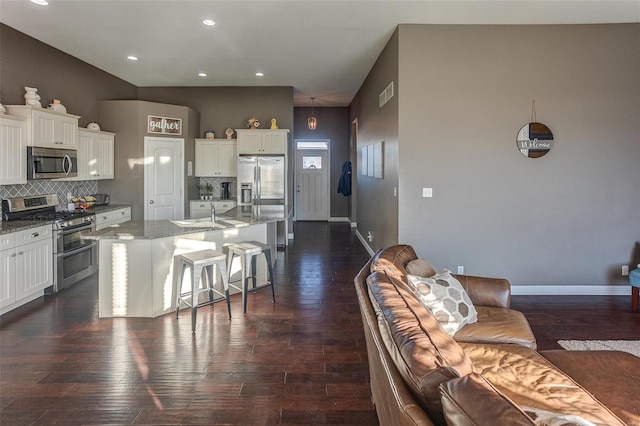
261 179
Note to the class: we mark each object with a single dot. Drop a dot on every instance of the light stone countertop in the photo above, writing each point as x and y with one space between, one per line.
152 229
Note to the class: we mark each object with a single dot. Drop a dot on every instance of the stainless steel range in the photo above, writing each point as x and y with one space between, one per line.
74 257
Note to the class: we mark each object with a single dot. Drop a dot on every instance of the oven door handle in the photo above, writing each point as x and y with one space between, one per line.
77 250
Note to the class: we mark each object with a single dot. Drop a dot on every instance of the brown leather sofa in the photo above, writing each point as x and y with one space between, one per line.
488 374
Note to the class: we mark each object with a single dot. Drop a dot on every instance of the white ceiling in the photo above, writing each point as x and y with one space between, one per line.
324 49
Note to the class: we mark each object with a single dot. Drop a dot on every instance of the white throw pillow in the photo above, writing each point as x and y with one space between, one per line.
445 297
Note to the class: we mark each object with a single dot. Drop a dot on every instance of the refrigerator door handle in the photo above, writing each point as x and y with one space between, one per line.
258 185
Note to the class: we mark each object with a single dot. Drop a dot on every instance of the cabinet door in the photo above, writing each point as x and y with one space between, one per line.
274 142
34 267
7 277
44 130
206 153
13 151
66 132
103 144
85 157
227 159
199 209
249 142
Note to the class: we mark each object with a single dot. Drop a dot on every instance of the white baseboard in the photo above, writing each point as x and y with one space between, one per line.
338 219
365 243
570 290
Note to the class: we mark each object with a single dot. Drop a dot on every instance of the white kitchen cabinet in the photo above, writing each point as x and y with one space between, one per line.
198 209
47 128
261 142
216 158
95 155
112 217
27 266
13 150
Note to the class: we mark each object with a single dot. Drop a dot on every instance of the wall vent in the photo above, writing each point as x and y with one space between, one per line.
385 95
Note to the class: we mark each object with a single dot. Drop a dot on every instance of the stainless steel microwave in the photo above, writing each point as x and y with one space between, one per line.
51 163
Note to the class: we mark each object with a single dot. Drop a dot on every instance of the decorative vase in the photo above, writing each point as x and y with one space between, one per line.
31 97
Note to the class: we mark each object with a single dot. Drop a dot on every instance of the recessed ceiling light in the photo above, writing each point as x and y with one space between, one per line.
132 58
209 22
40 2
259 74
202 74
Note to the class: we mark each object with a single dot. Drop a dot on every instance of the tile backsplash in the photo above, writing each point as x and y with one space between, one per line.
217 187
44 186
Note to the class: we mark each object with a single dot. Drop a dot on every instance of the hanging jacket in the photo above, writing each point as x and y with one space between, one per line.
344 185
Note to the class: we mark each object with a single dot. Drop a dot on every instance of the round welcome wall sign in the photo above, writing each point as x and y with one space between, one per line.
534 140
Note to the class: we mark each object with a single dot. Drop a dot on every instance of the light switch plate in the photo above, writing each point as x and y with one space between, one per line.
427 192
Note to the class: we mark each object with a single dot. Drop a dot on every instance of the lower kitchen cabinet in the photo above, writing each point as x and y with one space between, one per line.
27 266
112 217
199 209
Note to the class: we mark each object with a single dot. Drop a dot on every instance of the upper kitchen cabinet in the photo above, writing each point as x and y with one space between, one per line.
215 157
13 150
47 128
262 142
95 154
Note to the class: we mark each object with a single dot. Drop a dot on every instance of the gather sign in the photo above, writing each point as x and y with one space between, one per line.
164 125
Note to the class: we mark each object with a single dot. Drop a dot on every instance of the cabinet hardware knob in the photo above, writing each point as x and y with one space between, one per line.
104 218
151 201
35 234
13 255
20 252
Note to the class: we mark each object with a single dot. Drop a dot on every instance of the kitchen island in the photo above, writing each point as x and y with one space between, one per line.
136 257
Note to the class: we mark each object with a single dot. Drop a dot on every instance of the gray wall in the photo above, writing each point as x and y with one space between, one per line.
377 207
569 218
333 124
25 61
128 119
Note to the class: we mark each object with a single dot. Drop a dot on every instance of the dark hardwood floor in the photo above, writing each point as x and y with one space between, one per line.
300 361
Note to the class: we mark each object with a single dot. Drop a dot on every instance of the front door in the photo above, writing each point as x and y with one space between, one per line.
163 178
312 182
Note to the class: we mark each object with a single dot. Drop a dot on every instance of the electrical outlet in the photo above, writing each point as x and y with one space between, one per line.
460 270
427 192
369 236
625 270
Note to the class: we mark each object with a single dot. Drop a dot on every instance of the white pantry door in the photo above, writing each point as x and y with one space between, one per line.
163 178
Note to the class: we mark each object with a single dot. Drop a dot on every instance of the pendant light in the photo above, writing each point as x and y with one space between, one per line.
312 121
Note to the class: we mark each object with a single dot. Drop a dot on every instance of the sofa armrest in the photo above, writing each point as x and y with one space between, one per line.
485 291
472 401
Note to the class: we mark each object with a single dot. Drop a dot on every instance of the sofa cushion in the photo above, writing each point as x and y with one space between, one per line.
529 380
421 268
422 352
498 325
472 401
446 299
394 260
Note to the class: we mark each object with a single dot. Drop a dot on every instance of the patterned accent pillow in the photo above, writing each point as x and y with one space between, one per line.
445 297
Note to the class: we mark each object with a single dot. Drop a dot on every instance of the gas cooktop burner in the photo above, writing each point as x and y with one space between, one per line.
56 215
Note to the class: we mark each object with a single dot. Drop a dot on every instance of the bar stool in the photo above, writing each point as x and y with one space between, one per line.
248 251
197 261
